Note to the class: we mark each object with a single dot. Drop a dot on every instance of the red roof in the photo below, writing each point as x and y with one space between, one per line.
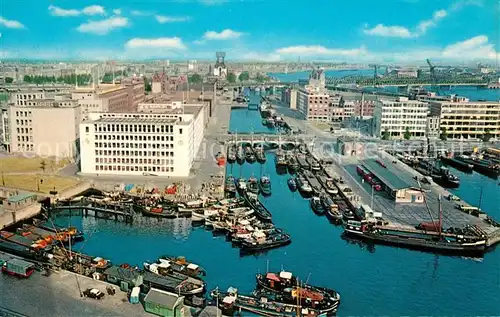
273 277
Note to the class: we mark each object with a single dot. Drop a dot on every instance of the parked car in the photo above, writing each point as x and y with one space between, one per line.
93 293
453 198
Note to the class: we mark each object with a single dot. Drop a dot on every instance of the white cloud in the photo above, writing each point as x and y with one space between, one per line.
60 12
162 42
103 27
226 34
318 50
423 26
117 11
94 10
388 31
167 19
474 48
89 10
140 13
11 24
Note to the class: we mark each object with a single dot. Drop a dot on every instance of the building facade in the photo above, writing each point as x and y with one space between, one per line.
432 129
396 116
289 97
161 139
45 128
467 119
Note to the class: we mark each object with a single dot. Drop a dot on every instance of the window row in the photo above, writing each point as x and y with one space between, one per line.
22 138
150 128
128 168
134 137
133 145
25 147
135 153
23 122
24 130
134 161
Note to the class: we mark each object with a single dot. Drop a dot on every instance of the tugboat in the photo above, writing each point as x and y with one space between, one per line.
286 288
253 185
240 154
292 184
293 165
230 186
316 205
280 160
249 154
448 179
265 185
260 241
231 153
260 154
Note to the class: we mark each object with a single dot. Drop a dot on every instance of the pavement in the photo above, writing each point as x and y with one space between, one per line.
58 295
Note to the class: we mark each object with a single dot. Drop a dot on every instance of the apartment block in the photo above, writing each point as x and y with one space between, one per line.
395 116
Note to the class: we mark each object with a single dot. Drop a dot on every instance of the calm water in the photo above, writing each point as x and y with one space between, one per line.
295 76
372 281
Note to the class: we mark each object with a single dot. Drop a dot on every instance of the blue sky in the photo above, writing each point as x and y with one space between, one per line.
270 30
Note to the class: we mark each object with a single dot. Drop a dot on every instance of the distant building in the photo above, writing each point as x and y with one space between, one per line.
45 127
160 139
398 116
313 100
4 126
467 119
289 97
220 68
432 129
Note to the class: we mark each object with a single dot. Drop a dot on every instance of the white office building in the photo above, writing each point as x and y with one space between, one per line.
395 116
161 139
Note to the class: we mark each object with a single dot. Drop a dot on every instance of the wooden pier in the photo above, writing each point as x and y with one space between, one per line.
91 209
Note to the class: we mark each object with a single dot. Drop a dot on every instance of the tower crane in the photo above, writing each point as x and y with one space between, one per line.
375 73
432 69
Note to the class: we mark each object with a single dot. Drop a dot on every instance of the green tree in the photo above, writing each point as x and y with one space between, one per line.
444 135
27 79
487 135
147 84
407 134
231 77
195 79
43 165
386 135
244 76
9 80
260 78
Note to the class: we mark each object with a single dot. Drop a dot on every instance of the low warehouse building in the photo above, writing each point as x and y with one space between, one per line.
163 303
399 186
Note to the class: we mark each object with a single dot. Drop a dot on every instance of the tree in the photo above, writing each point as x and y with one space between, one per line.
9 80
195 79
407 134
231 77
147 84
244 76
487 135
260 78
444 135
386 135
43 164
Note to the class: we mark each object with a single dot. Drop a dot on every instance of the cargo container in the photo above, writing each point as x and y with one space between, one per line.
18 268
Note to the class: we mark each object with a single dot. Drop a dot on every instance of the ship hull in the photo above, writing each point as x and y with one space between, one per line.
476 249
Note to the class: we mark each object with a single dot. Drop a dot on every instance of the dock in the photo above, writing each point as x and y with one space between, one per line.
91 209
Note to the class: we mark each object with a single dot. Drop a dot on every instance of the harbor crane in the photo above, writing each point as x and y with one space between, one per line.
432 70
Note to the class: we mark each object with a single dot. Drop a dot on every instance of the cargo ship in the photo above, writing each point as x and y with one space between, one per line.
463 166
482 166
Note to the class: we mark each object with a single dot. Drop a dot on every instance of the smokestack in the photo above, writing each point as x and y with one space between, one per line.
362 105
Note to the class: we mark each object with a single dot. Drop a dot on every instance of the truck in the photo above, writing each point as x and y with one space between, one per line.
18 267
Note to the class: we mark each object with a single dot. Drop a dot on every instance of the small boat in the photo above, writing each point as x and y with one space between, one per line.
76 235
287 288
249 154
180 264
265 185
160 212
231 153
230 186
332 209
314 165
240 155
293 165
313 181
303 185
330 187
199 215
260 154
301 160
317 206
292 184
260 241
253 185
280 159
161 277
241 185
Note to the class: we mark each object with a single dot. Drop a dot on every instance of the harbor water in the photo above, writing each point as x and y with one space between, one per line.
377 280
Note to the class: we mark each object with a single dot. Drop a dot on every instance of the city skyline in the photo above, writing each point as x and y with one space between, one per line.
403 31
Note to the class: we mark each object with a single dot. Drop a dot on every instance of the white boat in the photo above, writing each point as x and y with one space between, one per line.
204 214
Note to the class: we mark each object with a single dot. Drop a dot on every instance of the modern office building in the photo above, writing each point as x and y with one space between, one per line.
160 139
396 116
46 127
464 119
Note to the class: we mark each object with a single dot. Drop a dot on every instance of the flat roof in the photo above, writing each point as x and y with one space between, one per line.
162 298
20 197
388 176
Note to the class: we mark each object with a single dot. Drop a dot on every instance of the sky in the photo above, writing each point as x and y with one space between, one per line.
267 30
